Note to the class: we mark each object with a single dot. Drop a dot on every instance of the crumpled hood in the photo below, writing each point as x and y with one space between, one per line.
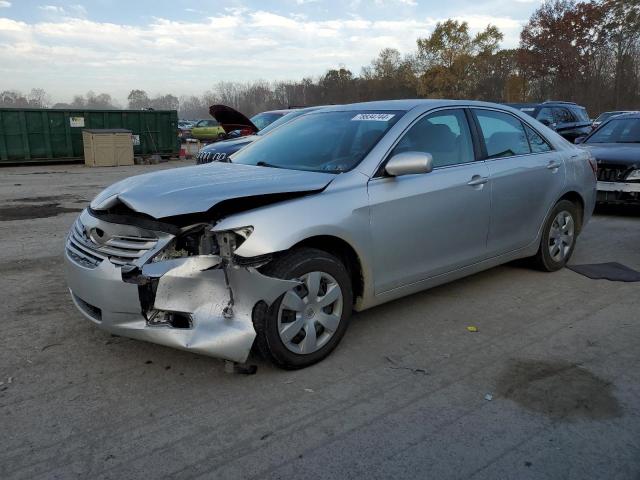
627 154
196 189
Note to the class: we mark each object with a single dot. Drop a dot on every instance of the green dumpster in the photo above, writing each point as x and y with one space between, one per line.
31 135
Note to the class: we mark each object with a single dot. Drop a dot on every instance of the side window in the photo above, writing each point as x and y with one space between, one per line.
503 134
445 135
538 144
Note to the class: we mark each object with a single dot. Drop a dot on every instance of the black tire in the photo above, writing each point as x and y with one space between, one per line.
543 260
292 265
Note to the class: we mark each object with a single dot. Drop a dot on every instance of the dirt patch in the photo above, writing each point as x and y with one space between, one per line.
560 390
46 264
28 212
50 198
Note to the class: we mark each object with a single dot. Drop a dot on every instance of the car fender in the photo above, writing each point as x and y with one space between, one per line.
341 211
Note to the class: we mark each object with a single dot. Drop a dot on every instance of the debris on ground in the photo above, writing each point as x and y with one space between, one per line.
243 368
308 390
472 328
397 366
488 397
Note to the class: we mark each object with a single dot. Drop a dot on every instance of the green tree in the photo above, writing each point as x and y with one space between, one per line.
449 56
138 100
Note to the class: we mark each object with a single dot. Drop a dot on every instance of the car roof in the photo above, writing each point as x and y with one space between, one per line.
630 114
282 111
549 103
410 104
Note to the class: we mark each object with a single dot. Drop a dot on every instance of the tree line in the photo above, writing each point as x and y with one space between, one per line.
587 52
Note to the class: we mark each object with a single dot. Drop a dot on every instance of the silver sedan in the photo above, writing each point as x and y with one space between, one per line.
339 210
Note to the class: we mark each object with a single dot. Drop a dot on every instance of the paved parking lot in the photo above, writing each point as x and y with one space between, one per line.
548 387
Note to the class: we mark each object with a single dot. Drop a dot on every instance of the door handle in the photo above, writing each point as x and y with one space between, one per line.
553 165
477 180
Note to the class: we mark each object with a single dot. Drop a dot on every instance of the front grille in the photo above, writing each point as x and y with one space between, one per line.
118 249
611 174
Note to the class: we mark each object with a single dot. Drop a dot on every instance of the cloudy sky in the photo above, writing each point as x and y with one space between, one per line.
186 46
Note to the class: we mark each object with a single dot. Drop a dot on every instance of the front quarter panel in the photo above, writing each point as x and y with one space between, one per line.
341 210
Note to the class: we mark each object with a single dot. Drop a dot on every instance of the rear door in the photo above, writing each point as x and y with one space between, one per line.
427 224
527 176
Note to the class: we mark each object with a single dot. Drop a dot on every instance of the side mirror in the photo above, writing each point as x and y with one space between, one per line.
579 140
409 163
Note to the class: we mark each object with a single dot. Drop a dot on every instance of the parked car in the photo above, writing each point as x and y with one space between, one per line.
220 151
207 130
567 118
278 247
607 115
616 147
236 124
184 129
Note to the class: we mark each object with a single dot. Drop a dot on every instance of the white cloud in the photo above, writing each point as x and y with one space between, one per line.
72 11
380 3
4 4
69 50
51 8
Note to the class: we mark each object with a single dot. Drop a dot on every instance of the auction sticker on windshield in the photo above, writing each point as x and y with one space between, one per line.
375 117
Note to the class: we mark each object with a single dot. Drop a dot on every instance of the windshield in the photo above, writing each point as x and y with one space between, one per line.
282 120
321 141
604 116
261 120
207 123
617 130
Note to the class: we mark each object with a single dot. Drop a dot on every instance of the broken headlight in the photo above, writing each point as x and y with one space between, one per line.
230 240
633 176
193 241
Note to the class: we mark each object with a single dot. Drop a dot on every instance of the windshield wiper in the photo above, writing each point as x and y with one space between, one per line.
265 164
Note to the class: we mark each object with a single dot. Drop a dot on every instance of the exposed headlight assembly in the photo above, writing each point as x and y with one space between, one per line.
197 240
634 175
230 240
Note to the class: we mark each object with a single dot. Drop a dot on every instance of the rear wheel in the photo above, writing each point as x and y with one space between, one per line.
558 237
307 322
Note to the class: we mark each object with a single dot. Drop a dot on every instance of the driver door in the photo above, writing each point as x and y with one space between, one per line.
424 225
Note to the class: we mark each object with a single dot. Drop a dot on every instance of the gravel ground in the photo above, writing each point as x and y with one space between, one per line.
548 387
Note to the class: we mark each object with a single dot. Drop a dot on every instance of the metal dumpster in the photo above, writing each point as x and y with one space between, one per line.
107 147
29 135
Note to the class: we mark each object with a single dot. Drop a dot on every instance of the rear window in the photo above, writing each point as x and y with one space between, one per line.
581 113
528 110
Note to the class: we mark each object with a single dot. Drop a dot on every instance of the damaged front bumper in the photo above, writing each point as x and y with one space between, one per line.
197 303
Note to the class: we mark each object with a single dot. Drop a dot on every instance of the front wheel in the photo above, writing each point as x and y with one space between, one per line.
558 237
306 323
